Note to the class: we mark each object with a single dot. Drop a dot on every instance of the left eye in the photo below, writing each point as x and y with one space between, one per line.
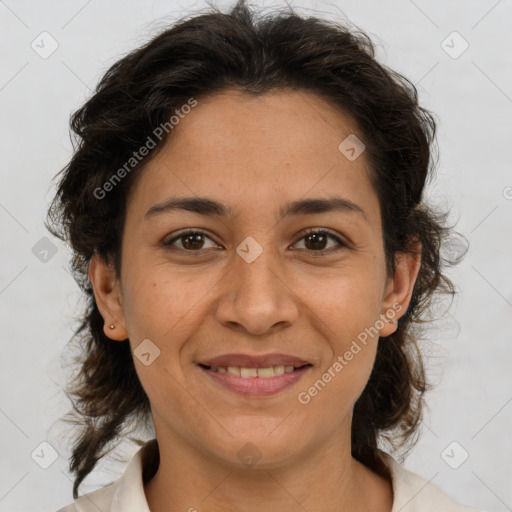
316 240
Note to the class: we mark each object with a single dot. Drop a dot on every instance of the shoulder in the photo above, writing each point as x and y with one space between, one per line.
125 494
100 499
414 493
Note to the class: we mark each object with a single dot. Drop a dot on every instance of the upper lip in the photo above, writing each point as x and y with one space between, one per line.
255 361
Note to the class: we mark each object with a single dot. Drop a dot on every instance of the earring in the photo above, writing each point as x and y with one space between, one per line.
112 326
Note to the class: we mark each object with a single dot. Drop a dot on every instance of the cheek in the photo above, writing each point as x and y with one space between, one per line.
158 302
343 376
348 310
164 310
345 303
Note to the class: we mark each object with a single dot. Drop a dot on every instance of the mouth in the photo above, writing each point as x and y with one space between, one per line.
251 382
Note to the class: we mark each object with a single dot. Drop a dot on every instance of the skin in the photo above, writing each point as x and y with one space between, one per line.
254 155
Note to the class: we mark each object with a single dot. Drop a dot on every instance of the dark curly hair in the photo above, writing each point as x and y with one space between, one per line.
207 54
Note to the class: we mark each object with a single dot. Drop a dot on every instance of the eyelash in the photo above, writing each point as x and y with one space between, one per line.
310 231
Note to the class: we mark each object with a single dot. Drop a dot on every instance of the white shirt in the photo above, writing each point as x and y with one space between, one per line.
411 492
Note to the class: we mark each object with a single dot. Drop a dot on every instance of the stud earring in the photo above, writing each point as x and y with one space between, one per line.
112 326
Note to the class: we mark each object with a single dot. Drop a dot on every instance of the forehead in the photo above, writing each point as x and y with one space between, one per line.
289 126
261 151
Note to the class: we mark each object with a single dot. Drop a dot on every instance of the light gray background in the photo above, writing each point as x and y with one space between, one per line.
470 349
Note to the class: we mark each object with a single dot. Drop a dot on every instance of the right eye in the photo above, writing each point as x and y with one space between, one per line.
191 241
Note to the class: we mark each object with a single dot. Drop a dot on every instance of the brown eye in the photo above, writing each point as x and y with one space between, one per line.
317 241
191 241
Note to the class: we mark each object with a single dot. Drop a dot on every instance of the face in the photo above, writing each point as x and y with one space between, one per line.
265 271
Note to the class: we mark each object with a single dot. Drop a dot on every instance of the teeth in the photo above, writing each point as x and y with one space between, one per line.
254 372
248 372
262 372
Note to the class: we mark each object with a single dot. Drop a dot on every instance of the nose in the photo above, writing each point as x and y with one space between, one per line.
255 297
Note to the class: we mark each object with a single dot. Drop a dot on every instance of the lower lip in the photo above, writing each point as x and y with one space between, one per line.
257 386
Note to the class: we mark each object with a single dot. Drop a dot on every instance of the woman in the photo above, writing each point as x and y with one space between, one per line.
245 210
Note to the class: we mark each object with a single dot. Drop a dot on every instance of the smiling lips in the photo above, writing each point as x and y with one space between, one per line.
252 375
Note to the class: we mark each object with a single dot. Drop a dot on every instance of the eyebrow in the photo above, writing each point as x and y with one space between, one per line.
210 207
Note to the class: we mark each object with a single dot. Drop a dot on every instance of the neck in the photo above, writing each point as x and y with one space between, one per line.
326 479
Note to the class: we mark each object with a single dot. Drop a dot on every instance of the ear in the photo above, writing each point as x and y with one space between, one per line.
107 292
399 289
